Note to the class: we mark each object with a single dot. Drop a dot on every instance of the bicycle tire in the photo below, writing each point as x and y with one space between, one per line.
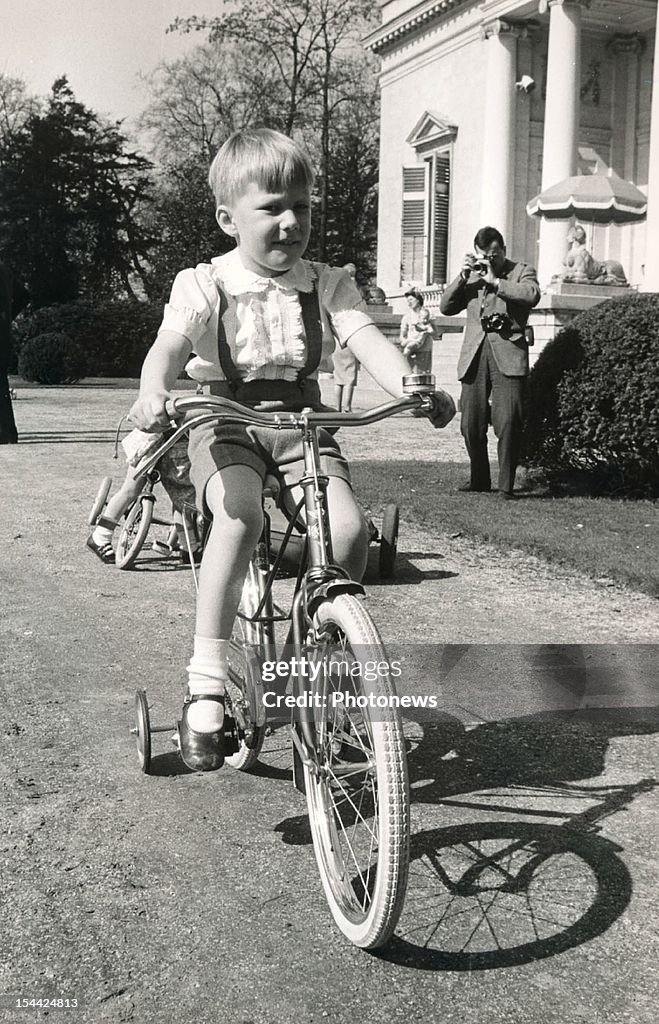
388 542
100 501
134 531
365 899
142 731
244 686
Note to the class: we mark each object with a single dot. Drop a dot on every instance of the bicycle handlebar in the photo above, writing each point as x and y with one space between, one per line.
212 407
234 412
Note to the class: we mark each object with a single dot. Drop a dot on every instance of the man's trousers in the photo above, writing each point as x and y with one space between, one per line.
483 383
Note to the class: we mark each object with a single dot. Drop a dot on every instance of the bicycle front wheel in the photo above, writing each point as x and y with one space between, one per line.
357 786
133 531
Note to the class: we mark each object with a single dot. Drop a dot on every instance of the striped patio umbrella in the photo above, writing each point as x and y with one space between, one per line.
598 198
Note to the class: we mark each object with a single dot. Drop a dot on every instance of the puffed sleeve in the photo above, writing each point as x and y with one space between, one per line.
192 301
341 300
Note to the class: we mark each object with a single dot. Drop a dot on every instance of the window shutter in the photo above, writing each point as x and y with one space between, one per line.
414 223
441 215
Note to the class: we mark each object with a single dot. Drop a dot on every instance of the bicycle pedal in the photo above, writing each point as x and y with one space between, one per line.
231 736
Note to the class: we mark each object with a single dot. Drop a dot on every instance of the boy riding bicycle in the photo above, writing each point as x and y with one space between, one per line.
261 321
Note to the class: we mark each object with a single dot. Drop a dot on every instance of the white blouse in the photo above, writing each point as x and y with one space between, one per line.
270 342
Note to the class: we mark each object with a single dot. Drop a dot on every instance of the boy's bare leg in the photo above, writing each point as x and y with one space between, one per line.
347 397
233 496
338 396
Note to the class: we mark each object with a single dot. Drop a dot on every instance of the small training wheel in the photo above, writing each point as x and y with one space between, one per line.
388 542
142 731
100 500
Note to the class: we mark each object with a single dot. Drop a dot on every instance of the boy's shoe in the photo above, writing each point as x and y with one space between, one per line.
184 556
201 751
103 551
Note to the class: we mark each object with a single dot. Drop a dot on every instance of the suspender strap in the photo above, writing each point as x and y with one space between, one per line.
227 326
313 330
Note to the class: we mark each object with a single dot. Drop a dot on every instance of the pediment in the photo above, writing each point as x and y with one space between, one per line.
432 127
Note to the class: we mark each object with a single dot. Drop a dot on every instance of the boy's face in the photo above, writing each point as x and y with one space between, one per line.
271 228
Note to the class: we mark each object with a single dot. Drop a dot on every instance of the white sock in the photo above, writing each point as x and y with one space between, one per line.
207 673
102 536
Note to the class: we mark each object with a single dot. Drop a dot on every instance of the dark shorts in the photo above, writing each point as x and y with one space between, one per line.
267 451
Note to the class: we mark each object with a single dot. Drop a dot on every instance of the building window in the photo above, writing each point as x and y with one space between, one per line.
426 196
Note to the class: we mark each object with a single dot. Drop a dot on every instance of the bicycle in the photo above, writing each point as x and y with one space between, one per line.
349 756
171 471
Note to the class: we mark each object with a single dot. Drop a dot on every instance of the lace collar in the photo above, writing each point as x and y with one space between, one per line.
237 279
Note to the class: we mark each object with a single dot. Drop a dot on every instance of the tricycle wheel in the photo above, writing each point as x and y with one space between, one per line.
100 501
388 541
142 731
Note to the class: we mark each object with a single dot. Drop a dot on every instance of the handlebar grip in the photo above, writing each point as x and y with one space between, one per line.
171 409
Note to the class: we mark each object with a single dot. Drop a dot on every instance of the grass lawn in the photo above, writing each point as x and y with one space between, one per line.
599 537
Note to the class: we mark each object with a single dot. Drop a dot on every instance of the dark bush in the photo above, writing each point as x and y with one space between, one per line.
115 335
52 358
593 399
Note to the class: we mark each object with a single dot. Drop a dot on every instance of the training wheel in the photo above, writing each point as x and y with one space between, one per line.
142 731
388 541
100 500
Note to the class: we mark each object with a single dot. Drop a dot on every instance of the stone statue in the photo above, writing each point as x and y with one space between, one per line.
582 268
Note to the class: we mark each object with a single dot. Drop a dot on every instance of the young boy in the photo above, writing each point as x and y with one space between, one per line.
258 318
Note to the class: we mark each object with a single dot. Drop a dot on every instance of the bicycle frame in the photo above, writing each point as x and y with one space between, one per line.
318 576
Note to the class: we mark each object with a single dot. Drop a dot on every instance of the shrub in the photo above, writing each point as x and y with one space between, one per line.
593 399
52 358
115 335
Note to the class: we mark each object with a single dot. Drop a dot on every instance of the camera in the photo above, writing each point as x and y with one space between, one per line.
497 323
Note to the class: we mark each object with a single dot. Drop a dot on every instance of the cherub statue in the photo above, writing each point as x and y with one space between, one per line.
582 268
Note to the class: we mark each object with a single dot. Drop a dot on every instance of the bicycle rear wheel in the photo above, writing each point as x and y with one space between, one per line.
357 790
134 530
244 687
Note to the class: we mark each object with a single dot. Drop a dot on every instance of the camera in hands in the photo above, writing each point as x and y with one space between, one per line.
496 323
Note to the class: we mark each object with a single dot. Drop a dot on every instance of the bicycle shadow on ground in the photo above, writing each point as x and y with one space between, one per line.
487 894
499 894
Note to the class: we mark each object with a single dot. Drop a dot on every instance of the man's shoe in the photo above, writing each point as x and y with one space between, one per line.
469 489
508 495
201 751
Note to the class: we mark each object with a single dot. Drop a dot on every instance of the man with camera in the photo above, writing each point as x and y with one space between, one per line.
498 295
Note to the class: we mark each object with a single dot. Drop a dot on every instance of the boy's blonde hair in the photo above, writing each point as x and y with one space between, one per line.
272 160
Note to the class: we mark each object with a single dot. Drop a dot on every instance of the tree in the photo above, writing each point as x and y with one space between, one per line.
312 48
16 106
182 217
70 195
198 101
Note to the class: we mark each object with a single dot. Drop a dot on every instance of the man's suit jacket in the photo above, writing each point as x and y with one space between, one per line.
518 293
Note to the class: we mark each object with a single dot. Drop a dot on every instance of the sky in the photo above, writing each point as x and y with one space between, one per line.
100 45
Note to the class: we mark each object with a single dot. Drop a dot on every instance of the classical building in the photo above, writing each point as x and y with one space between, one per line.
487 102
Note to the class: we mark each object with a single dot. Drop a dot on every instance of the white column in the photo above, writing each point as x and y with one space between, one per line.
561 135
499 135
626 52
651 273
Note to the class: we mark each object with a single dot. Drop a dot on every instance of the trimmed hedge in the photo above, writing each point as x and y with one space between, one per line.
52 358
593 400
115 335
